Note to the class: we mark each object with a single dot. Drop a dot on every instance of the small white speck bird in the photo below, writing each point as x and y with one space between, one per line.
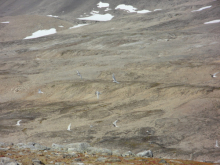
18 122
68 129
39 91
79 74
114 123
97 93
216 143
214 75
114 80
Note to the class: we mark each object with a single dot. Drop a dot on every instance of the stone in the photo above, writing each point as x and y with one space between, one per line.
163 161
36 162
128 153
7 161
101 159
79 147
116 153
4 149
146 153
101 151
57 146
32 146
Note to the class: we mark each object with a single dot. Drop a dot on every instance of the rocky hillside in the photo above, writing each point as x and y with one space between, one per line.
81 65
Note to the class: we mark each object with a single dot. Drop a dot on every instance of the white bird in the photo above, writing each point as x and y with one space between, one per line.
114 123
78 74
18 122
97 93
39 91
214 75
68 129
114 80
216 143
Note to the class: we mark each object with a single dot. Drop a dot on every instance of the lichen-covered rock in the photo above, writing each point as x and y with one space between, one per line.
101 151
7 161
32 146
79 147
146 153
128 153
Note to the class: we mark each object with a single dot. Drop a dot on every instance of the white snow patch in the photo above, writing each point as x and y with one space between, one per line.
107 9
60 26
143 11
214 21
98 17
52 16
5 22
157 9
128 8
79 25
100 5
94 12
206 7
41 33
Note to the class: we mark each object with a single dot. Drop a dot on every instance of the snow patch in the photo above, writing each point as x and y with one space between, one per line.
41 33
127 8
206 7
157 9
5 22
143 11
214 21
52 16
100 5
76 26
98 17
61 26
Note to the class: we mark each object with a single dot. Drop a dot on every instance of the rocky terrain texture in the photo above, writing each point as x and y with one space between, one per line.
77 154
166 100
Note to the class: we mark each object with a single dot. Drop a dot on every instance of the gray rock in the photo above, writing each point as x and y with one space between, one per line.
163 161
80 147
78 159
128 153
60 163
77 163
36 162
72 150
4 149
7 161
101 159
101 151
69 155
57 146
146 153
116 152
32 146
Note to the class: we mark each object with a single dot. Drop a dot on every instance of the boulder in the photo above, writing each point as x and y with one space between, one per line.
128 153
146 154
101 151
7 161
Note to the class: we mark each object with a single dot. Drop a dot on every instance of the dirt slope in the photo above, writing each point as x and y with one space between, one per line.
166 100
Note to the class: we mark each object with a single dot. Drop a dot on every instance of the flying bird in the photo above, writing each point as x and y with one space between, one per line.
18 122
216 143
68 129
114 123
78 74
39 91
114 80
97 93
214 75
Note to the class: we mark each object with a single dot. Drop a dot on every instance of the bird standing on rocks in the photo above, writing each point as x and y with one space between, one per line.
18 122
39 91
97 93
114 80
214 75
114 123
68 129
79 74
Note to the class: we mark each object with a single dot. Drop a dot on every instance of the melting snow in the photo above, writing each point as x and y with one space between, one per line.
100 5
157 9
60 26
206 7
94 12
52 16
214 21
107 9
5 22
128 8
76 26
143 11
41 33
98 17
